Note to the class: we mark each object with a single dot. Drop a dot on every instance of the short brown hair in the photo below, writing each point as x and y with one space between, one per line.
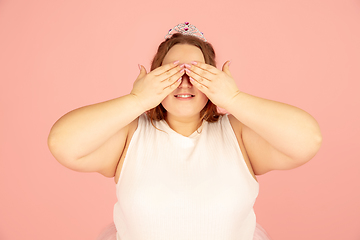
209 112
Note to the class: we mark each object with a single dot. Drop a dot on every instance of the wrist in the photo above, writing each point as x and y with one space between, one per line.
138 102
233 101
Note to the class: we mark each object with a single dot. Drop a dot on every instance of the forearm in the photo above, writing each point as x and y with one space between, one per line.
289 129
85 129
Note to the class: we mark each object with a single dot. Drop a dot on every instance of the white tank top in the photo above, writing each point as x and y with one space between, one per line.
185 188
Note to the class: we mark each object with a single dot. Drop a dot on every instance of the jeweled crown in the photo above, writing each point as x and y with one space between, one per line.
187 29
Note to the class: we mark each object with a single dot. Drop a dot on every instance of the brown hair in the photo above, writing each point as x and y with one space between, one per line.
209 112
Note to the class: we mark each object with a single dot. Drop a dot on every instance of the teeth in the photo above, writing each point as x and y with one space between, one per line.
184 96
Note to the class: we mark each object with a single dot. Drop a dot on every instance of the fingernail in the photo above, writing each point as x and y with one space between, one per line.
182 70
182 65
176 62
229 63
194 62
187 70
187 65
139 67
179 79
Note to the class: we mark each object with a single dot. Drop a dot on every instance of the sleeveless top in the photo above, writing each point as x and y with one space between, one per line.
180 188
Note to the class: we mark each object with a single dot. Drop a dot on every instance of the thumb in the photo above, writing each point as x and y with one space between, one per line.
226 68
142 71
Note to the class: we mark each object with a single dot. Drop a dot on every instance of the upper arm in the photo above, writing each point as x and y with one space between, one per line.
263 156
104 159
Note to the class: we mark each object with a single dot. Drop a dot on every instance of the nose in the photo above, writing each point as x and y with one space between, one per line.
185 82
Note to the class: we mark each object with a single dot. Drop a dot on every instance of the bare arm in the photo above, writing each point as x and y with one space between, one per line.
92 138
83 130
276 135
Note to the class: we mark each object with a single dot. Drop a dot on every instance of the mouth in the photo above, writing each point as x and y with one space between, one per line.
184 96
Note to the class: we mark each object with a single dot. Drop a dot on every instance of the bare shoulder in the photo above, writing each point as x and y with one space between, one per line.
133 125
237 128
111 151
260 153
235 123
131 129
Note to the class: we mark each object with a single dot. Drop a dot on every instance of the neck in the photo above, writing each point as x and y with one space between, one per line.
183 125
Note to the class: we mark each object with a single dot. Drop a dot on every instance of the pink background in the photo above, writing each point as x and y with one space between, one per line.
56 56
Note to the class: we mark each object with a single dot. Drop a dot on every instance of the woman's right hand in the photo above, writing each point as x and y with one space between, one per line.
151 88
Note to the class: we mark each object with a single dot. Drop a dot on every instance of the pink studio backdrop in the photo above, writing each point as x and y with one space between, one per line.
56 56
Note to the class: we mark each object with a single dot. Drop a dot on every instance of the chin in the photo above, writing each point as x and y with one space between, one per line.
184 112
177 110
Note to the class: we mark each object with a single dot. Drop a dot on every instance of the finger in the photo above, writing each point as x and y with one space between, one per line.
173 85
205 67
142 72
203 88
174 77
169 74
173 80
226 68
160 70
198 77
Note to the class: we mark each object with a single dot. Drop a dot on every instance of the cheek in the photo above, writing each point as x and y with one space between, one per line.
203 96
166 101
204 100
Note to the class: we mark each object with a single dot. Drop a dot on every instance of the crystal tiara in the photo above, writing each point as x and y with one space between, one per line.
187 29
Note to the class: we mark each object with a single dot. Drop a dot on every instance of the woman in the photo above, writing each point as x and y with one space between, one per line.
183 170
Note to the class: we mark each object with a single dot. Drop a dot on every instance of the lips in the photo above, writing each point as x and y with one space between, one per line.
184 97
184 94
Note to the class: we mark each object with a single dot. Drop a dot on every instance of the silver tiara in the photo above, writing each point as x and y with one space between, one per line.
187 29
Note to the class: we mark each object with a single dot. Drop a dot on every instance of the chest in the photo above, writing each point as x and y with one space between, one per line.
237 130
198 190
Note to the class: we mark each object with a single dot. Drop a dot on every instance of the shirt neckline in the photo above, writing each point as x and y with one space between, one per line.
194 135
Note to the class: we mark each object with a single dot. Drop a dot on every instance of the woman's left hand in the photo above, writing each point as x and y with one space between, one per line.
218 86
